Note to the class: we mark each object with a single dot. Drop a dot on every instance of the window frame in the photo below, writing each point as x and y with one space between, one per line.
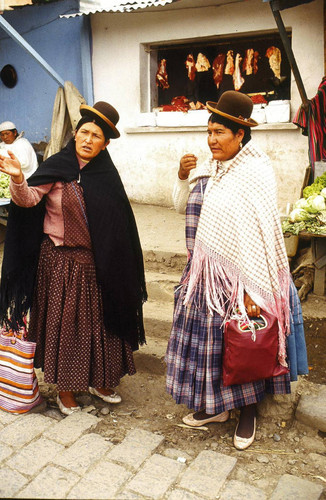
149 92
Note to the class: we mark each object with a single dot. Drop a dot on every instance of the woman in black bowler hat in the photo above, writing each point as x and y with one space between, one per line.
73 259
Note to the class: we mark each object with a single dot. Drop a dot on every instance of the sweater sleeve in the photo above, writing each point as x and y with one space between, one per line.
28 196
180 195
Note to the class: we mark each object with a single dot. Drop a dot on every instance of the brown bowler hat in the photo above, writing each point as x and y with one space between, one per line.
235 106
105 114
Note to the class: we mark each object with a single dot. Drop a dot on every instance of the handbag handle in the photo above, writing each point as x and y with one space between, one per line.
258 322
253 325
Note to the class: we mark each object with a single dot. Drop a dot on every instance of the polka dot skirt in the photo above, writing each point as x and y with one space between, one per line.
73 347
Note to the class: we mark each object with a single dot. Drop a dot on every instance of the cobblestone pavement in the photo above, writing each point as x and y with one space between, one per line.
42 457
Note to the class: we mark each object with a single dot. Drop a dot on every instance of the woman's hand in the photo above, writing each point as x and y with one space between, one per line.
11 166
187 163
252 309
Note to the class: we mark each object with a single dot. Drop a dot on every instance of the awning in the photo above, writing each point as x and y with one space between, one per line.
92 6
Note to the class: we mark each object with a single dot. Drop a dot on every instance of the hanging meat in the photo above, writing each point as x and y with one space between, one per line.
162 76
202 63
191 67
275 59
255 61
229 68
238 81
247 65
218 68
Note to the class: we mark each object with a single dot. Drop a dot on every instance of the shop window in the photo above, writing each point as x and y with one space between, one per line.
202 70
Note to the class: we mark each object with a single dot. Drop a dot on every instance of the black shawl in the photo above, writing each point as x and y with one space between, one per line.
115 242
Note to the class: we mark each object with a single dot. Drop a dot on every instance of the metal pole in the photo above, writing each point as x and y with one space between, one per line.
20 40
290 55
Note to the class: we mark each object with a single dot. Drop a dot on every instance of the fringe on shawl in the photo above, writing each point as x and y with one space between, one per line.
223 286
21 253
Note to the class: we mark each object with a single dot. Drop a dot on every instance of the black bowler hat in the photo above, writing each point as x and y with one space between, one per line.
105 115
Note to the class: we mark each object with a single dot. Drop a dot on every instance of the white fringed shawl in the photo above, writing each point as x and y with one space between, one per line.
239 243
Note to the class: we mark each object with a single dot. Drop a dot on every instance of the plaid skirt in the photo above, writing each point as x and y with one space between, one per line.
194 363
73 347
195 348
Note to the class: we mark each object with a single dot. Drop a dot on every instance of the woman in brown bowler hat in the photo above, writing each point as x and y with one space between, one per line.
237 265
73 259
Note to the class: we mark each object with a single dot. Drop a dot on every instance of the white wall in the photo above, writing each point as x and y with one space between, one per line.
148 162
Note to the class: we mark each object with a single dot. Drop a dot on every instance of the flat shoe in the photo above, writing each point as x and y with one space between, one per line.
241 443
110 398
65 410
193 422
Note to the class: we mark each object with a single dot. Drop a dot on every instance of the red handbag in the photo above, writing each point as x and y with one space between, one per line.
251 355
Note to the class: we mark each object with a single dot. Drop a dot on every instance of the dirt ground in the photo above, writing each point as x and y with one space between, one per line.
282 444
315 331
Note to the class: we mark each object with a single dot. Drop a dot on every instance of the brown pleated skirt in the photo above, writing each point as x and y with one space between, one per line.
73 347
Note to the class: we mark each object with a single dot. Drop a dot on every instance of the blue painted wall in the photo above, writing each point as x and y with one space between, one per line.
61 42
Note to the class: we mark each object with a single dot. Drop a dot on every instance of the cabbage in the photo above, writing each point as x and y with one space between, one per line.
302 203
298 215
309 213
322 217
315 203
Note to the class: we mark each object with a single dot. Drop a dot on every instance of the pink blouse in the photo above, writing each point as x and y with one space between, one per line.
29 196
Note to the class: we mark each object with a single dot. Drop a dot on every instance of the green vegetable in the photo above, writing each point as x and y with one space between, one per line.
302 203
315 203
298 215
293 227
4 186
322 216
314 226
316 187
309 212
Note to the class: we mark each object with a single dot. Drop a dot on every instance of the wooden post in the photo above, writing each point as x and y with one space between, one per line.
22 42
289 53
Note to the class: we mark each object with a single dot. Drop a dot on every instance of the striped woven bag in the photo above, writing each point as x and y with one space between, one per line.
19 391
